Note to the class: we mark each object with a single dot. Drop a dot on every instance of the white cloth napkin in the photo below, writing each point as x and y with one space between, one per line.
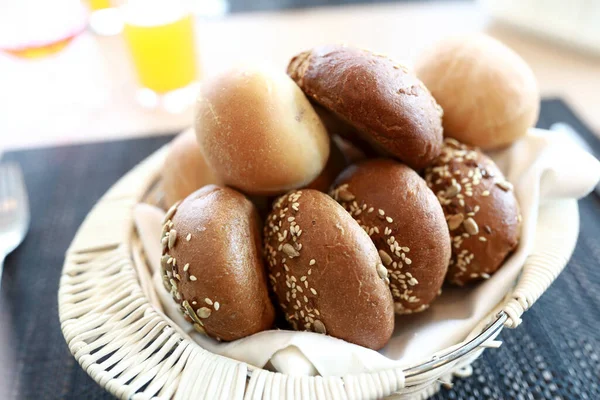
542 166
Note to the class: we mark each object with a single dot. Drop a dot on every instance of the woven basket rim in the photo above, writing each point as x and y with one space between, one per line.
105 255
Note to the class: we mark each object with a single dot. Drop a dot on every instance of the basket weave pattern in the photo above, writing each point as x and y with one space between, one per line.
114 326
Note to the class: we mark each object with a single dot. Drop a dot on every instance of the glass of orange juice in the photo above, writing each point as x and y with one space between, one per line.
160 37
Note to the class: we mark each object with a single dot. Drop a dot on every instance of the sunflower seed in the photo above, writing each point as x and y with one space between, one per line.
471 226
504 185
452 190
290 251
385 257
454 221
172 238
204 312
319 327
199 329
345 195
170 213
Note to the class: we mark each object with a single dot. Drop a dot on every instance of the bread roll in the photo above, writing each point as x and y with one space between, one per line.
335 164
185 170
489 94
259 132
481 210
326 272
212 263
393 204
387 105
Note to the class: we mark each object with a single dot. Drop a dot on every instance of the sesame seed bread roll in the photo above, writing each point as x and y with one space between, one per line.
393 204
212 264
323 269
259 132
481 211
387 105
185 169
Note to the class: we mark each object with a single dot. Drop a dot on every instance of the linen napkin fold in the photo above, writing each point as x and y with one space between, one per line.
544 167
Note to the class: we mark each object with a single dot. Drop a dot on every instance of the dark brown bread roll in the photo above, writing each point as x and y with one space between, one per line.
393 204
388 106
325 271
481 210
212 263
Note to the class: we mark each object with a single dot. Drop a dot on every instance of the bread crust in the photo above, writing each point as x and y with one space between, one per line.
323 269
212 264
259 132
481 210
387 105
185 169
403 217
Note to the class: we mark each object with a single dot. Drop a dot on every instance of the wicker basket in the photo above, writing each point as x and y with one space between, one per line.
114 325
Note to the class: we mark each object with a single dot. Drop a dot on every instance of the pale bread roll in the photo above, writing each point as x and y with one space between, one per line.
259 132
185 169
488 92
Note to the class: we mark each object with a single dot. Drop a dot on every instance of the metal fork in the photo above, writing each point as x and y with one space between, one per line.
14 210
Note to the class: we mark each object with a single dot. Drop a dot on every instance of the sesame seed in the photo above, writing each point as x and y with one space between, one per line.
186 267
389 219
217 306
290 219
208 301
313 291
407 260
370 210
188 237
309 271
193 278
482 239
485 193
382 271
381 212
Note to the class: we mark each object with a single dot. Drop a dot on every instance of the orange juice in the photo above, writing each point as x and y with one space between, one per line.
99 4
163 51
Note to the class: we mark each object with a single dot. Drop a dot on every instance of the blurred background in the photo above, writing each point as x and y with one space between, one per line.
75 71
89 70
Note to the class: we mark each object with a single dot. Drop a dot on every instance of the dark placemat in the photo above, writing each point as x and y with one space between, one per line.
555 353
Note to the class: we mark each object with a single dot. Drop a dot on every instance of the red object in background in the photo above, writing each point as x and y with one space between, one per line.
37 28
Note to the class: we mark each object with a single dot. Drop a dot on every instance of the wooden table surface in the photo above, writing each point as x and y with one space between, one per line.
87 92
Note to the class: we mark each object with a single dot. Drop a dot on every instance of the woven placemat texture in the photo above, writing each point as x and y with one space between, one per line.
554 354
